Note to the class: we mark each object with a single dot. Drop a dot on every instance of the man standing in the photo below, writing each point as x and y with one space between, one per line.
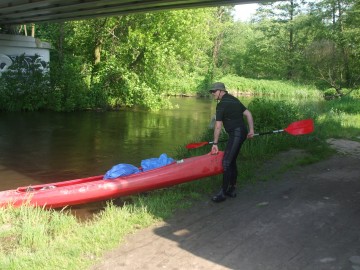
230 112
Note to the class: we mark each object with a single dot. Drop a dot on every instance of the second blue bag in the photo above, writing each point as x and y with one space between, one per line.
153 163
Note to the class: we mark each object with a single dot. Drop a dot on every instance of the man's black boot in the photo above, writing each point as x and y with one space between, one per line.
231 192
220 197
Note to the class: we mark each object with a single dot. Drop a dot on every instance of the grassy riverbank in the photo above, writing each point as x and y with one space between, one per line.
272 88
32 238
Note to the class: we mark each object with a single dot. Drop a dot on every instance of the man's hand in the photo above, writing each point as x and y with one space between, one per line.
214 150
250 135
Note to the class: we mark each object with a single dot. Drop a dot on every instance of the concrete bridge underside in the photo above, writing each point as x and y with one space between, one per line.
15 12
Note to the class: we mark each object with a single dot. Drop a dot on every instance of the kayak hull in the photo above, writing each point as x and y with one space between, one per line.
91 189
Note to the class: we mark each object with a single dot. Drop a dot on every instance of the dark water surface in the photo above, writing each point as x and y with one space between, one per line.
43 147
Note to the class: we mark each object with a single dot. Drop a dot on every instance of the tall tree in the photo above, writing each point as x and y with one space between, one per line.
220 23
282 16
352 35
133 59
336 66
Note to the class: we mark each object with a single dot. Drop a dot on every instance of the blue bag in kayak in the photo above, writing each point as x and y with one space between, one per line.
121 170
152 163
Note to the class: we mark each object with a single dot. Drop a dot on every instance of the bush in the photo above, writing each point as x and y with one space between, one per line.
330 93
69 91
273 114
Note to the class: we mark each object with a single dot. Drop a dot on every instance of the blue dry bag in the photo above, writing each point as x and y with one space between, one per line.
121 170
152 163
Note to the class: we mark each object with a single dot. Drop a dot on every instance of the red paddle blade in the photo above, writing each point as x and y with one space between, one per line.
196 145
300 127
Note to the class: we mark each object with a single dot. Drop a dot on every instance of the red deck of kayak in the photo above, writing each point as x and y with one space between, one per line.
90 189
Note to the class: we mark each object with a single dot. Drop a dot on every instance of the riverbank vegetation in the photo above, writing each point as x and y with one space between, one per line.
34 238
138 60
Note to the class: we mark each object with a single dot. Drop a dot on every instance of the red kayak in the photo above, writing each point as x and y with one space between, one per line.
91 189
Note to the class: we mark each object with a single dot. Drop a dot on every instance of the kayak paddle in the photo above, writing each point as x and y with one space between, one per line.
301 127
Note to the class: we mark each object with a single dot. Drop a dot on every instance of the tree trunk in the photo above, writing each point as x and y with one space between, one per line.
97 49
60 44
290 68
218 40
33 30
97 52
342 42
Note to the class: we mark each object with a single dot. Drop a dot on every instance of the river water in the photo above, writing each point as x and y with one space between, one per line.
45 147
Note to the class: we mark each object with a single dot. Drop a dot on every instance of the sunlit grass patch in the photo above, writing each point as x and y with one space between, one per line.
45 239
340 119
269 88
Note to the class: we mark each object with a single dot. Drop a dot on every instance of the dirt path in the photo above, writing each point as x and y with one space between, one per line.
306 219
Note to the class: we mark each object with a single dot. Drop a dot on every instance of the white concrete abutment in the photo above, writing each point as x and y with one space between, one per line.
16 45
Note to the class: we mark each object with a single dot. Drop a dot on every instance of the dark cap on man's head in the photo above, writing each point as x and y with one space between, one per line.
217 86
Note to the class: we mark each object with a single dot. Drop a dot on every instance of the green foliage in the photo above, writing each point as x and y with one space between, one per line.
355 93
348 105
136 60
339 118
292 40
330 92
25 86
273 88
132 60
273 114
124 88
70 91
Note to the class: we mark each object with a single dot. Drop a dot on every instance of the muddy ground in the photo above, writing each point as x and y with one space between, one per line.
305 219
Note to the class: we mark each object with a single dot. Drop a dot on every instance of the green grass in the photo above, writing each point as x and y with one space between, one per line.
34 238
241 85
